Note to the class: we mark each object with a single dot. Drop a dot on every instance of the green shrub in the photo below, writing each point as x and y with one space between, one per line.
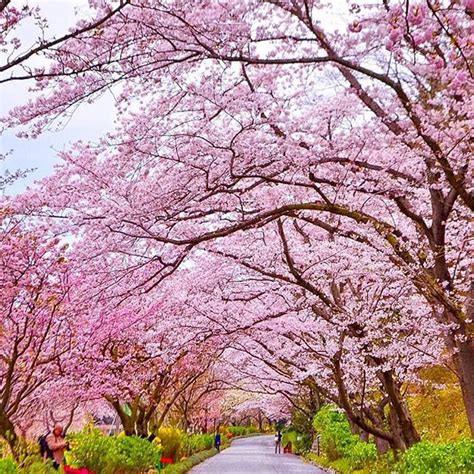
8 466
89 448
337 440
32 464
444 458
300 442
132 454
37 467
112 454
191 444
171 441
288 436
334 430
241 430
359 453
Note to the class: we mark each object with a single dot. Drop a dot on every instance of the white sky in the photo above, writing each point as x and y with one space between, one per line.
88 123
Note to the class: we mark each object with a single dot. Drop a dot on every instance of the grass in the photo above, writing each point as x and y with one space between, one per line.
187 464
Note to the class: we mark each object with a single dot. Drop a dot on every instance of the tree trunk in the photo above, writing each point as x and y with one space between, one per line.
400 418
128 421
260 421
141 425
464 360
356 429
382 445
7 432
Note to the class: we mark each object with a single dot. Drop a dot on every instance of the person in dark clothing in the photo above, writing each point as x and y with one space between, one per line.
278 437
217 440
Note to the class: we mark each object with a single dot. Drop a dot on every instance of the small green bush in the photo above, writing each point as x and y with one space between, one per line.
31 464
359 453
89 448
112 454
334 429
8 466
337 440
132 454
443 458
300 442
191 444
241 430
171 441
38 467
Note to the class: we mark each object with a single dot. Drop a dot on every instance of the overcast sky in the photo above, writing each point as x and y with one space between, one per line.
89 122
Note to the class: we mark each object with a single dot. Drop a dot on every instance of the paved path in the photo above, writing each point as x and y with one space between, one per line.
254 455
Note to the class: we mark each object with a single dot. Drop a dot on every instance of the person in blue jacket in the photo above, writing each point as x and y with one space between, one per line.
217 440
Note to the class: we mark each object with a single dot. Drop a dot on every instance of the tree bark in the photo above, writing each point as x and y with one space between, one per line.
400 418
141 424
7 432
128 421
464 361
382 445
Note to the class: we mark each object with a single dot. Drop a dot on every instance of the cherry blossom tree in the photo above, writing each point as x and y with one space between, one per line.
200 401
370 143
143 355
342 328
36 329
19 56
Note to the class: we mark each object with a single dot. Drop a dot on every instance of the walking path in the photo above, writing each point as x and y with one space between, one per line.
254 455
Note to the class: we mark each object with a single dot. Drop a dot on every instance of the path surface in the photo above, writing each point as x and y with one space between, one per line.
254 456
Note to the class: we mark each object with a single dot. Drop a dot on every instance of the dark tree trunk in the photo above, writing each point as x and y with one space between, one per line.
260 421
128 421
141 425
464 360
7 432
400 419
463 345
381 444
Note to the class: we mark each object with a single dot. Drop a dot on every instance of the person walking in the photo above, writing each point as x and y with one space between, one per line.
217 440
278 437
57 445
